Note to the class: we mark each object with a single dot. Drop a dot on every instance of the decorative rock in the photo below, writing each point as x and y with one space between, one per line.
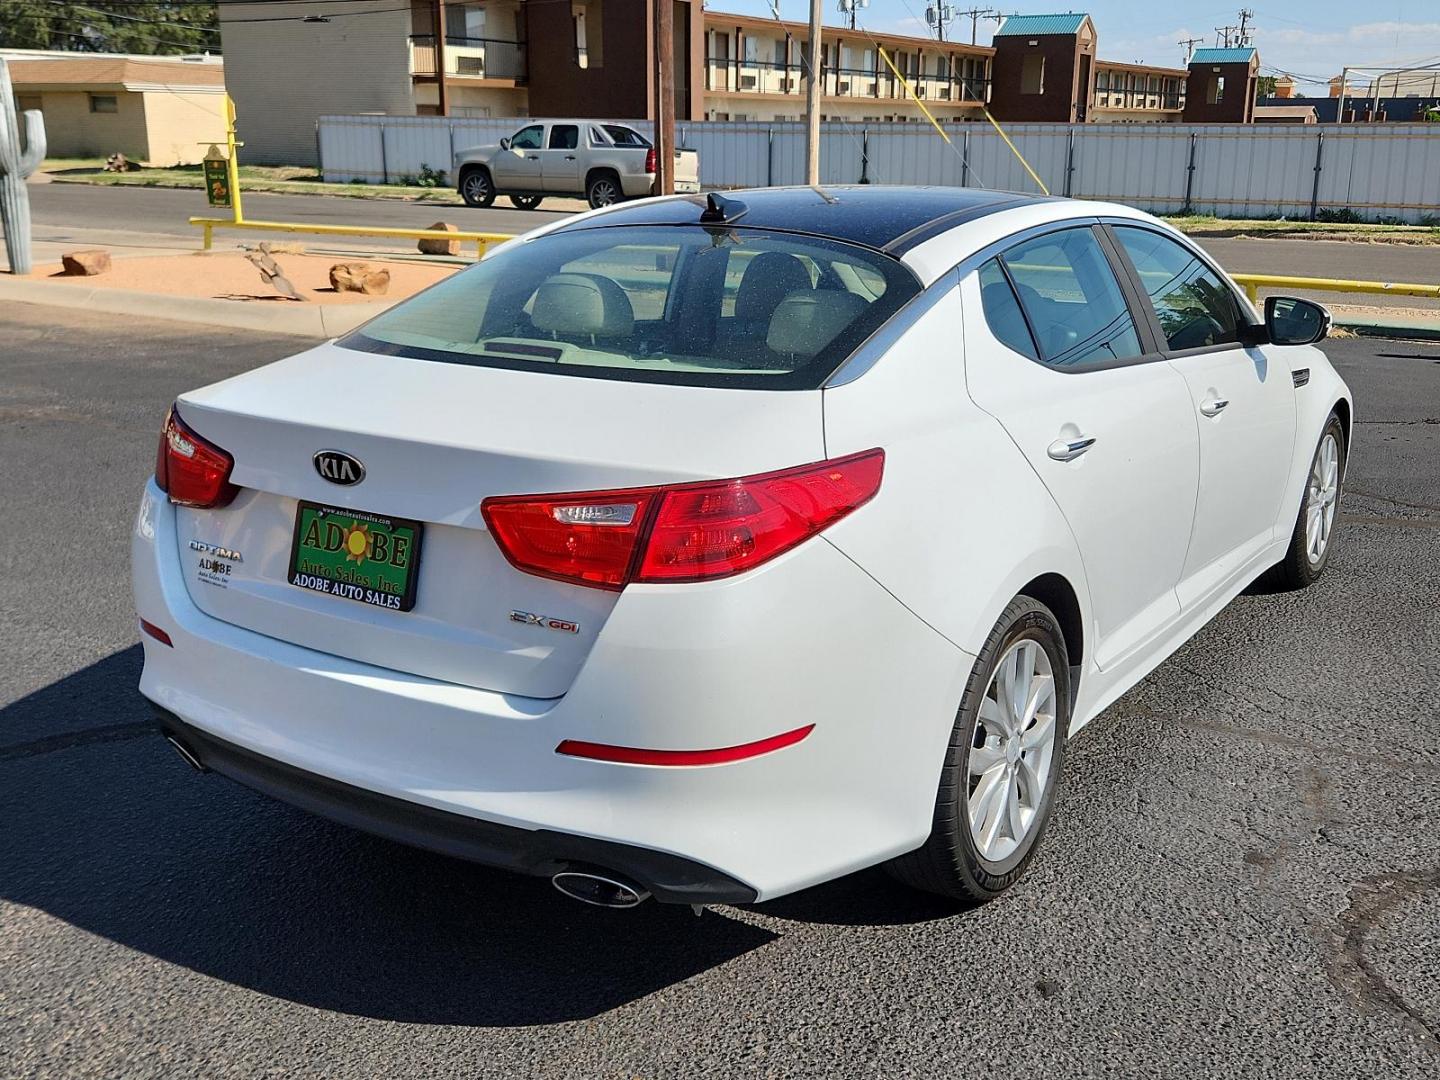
87 263
359 277
441 247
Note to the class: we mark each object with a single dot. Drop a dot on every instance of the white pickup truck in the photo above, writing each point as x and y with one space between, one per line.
600 160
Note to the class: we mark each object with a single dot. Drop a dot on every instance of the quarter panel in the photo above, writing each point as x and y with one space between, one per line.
961 522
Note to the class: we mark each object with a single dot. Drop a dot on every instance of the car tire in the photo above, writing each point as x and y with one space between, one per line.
477 188
526 202
603 189
958 861
1313 539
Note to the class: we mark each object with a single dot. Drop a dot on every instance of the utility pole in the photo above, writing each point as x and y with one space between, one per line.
1188 44
975 15
937 15
1222 36
1242 36
848 8
665 97
812 98
1344 87
444 100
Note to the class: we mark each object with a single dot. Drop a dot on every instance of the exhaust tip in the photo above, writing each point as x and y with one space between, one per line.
185 754
599 890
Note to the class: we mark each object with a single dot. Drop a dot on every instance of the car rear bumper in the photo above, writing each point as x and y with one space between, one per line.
806 639
540 852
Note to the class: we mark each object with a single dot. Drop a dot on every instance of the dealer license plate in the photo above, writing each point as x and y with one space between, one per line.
356 556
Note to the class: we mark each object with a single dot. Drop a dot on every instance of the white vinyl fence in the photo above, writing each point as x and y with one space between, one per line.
1377 171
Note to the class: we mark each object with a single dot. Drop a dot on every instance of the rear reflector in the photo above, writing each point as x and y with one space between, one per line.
634 755
683 532
156 633
191 470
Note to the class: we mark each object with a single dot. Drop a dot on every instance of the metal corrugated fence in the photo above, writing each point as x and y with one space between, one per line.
1231 170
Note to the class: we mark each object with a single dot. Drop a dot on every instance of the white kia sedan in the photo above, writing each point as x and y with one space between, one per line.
710 548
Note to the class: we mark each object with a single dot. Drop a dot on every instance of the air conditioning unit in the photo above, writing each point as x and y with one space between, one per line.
944 93
870 88
469 65
787 85
842 88
920 90
747 82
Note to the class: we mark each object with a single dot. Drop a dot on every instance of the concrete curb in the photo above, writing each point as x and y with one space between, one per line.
1411 329
315 321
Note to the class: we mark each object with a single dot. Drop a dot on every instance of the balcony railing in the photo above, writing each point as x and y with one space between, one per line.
762 77
484 58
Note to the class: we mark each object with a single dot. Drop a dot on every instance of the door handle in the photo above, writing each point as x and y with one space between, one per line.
1214 406
1070 449
569 157
534 157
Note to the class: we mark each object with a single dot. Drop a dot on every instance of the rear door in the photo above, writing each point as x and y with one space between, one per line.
1243 397
1055 351
560 160
518 168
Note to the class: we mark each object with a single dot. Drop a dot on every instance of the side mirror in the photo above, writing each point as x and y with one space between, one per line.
505 143
1292 321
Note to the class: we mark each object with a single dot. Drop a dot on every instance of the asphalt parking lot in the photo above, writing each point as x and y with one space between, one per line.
1243 877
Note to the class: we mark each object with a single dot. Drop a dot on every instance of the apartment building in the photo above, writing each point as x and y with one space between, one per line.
289 63
753 71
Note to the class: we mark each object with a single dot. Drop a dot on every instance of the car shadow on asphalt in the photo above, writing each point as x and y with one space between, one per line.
106 829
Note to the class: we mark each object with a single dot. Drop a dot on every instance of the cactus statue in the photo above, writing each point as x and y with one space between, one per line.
14 168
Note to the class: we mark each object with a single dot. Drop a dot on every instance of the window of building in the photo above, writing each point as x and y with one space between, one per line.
104 103
1216 93
588 17
1032 75
464 24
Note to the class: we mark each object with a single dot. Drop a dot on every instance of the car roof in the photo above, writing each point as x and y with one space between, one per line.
888 219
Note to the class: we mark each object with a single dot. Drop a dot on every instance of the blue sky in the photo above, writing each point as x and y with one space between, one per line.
1313 40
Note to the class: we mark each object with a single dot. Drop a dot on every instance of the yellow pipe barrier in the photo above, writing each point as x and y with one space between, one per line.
480 240
1253 283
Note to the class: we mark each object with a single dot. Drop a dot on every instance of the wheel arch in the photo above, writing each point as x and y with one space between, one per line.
596 170
1057 593
1342 410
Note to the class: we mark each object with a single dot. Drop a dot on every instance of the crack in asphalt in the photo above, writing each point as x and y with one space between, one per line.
1391 500
68 741
1371 898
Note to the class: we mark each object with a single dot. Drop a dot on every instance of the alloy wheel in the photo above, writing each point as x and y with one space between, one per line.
1323 496
1012 750
477 187
603 193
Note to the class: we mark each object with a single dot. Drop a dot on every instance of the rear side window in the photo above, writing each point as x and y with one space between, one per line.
1195 307
624 136
1002 311
724 307
564 137
1074 304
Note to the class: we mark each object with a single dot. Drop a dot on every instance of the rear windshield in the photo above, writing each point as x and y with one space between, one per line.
706 306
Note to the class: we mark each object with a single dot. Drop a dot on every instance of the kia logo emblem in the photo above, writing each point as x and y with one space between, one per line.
339 468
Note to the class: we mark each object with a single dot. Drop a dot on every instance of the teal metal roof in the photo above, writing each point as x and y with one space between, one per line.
1040 25
1223 56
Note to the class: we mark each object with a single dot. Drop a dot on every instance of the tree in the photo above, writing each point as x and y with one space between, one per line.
1265 86
124 26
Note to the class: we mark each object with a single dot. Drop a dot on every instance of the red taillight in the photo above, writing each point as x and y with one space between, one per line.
686 532
652 162
191 470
